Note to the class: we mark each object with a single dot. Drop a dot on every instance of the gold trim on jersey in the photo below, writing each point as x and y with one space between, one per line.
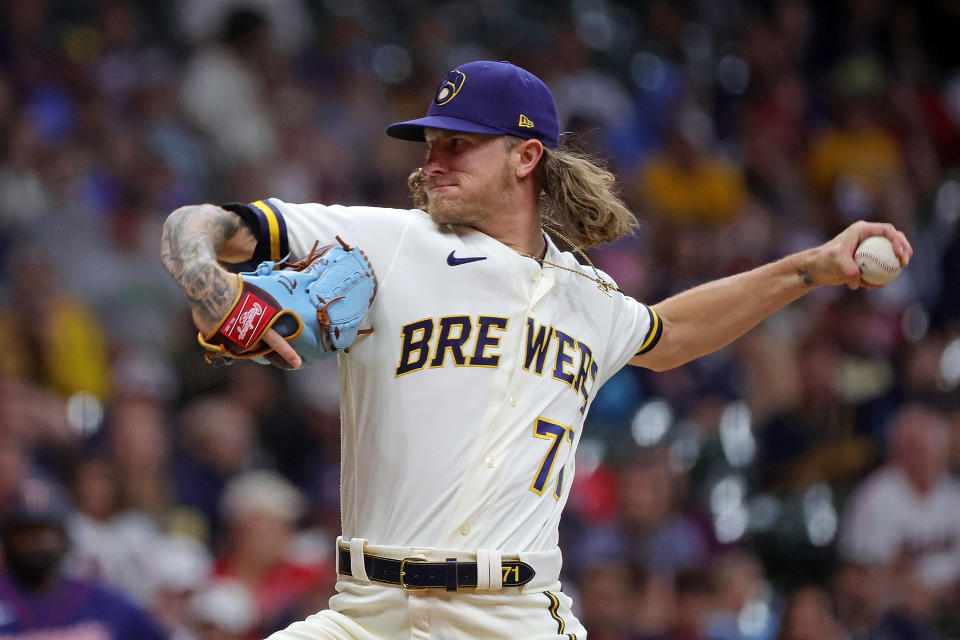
273 226
554 605
653 336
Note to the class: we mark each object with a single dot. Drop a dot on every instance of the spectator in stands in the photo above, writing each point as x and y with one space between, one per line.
109 545
902 524
36 597
180 570
223 93
51 338
652 531
605 601
856 167
814 438
689 183
260 510
653 606
218 440
908 512
809 615
774 136
870 604
687 192
739 582
139 445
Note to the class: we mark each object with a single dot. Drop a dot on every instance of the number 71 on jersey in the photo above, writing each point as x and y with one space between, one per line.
557 433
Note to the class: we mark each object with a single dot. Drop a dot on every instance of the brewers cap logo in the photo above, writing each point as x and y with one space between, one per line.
450 87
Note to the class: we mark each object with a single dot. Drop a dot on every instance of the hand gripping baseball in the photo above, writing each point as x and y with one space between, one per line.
290 311
834 261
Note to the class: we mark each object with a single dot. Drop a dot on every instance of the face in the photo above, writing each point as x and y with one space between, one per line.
33 552
468 177
262 536
647 495
921 446
95 489
809 616
139 435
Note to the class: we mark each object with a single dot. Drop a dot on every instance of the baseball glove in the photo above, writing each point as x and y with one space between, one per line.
316 304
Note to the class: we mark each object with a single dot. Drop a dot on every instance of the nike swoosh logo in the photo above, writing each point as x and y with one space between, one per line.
453 261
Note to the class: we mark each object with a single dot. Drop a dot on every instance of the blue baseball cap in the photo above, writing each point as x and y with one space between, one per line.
489 97
37 501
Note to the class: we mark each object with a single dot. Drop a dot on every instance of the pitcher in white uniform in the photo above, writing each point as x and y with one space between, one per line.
462 411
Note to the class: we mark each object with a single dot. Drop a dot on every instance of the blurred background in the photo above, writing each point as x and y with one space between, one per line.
800 484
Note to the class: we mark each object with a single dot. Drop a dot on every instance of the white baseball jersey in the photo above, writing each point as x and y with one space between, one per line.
462 411
887 520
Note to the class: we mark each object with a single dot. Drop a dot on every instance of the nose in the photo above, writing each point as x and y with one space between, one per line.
434 164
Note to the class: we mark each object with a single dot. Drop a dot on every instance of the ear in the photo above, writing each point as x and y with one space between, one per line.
527 155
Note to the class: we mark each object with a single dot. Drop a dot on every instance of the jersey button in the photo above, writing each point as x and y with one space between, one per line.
491 463
513 401
465 529
534 276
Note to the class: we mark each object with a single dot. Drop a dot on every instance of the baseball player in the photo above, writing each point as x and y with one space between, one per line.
462 410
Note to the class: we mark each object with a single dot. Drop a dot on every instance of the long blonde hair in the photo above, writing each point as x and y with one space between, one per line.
578 196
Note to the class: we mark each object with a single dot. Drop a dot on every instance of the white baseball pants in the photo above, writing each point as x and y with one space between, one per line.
383 612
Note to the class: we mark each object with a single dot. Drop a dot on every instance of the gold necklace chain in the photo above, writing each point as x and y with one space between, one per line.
604 285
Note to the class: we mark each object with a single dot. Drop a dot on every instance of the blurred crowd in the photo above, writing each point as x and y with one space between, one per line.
800 484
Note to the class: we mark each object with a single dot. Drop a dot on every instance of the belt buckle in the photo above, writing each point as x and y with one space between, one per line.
403 566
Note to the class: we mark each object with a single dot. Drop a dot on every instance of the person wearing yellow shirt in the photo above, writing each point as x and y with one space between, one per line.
688 184
50 338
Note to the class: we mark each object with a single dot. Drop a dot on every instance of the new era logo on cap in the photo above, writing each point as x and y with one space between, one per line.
489 97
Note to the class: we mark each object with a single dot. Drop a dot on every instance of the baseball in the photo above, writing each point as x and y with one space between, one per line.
877 261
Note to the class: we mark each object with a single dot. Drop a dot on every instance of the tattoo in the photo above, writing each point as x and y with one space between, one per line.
805 278
192 236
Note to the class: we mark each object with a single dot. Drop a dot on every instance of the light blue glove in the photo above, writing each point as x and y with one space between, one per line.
316 304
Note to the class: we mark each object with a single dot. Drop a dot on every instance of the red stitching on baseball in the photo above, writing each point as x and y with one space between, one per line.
878 262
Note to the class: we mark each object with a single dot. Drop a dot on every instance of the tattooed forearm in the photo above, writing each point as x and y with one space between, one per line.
208 289
192 236
805 278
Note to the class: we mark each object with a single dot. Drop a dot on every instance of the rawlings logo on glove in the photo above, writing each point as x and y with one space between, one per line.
316 304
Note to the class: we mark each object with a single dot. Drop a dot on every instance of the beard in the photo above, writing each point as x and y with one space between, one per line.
34 566
470 208
444 210
34 570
